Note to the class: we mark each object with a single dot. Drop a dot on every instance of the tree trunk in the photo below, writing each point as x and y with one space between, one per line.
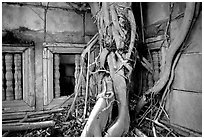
117 31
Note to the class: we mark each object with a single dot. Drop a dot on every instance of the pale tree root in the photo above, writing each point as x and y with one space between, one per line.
121 126
110 29
100 113
95 124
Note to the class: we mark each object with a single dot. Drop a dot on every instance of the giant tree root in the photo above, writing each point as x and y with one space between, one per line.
113 32
95 123
121 126
100 113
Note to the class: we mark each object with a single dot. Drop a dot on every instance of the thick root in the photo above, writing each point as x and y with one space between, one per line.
121 126
95 123
99 115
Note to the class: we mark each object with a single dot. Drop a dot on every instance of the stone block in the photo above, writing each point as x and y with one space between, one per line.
195 38
154 12
188 73
15 16
64 21
90 27
185 109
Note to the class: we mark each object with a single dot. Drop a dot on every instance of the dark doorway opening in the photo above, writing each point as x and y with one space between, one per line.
67 70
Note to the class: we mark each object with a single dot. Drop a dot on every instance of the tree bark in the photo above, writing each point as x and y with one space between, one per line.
115 52
121 126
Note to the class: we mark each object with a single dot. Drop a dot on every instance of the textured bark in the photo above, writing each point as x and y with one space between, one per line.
99 115
115 51
122 123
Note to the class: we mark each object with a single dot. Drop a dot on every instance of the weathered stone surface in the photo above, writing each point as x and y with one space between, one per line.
185 109
194 41
154 30
188 73
68 37
14 17
195 38
175 28
61 21
178 7
90 27
154 12
61 25
156 16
